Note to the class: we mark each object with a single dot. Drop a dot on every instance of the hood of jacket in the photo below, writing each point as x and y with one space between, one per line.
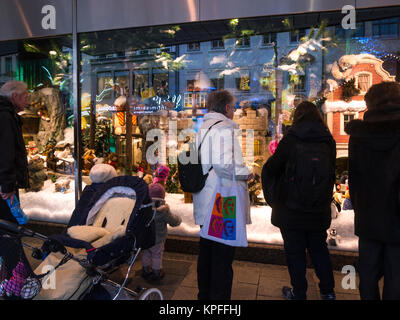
216 116
380 129
311 131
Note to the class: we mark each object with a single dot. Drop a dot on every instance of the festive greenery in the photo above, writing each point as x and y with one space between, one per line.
101 140
349 90
172 184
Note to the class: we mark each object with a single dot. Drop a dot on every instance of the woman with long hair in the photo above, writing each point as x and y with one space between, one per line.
303 168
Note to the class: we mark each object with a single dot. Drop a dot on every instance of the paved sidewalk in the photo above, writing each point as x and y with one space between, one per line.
252 281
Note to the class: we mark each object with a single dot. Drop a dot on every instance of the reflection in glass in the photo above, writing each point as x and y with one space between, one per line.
270 64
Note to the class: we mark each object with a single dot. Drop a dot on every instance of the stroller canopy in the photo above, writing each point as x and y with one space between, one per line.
96 194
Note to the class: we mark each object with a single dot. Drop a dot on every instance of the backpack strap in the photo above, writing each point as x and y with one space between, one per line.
198 150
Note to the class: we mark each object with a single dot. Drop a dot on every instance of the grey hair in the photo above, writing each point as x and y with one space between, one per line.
217 100
12 86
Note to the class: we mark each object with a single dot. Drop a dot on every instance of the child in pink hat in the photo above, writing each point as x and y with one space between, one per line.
152 257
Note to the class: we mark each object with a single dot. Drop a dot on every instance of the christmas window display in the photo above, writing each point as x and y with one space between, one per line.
125 96
46 67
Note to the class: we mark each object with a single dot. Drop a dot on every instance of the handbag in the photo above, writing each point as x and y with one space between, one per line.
226 219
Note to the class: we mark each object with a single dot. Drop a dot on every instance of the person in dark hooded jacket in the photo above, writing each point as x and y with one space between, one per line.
13 158
303 230
374 160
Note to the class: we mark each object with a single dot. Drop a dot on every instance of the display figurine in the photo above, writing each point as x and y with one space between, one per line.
62 186
88 161
32 149
333 238
37 174
254 186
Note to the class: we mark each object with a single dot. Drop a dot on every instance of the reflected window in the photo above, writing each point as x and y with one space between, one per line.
242 81
243 42
217 44
269 39
385 27
297 83
194 46
218 83
193 81
104 85
267 81
160 83
121 87
9 66
358 32
296 35
140 83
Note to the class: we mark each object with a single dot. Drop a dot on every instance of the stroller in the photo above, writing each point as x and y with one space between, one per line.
111 223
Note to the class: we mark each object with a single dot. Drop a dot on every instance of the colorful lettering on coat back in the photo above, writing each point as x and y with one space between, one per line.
223 218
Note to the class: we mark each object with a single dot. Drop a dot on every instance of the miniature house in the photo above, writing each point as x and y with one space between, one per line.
339 109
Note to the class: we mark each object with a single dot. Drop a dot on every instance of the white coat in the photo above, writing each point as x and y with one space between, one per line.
217 154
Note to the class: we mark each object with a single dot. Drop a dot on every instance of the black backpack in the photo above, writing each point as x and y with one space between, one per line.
269 185
190 174
309 177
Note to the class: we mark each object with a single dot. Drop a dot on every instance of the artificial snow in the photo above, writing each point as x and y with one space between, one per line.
342 106
51 206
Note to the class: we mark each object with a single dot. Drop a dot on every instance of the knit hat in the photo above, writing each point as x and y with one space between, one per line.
162 173
102 172
156 190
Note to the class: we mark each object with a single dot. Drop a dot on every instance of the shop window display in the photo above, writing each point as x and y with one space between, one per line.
46 67
159 78
286 60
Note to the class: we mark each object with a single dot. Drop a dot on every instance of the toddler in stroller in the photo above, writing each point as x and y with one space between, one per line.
112 222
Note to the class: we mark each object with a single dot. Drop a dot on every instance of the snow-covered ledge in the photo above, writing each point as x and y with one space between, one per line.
342 106
50 206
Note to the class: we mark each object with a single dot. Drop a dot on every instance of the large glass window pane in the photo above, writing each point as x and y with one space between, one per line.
45 66
270 64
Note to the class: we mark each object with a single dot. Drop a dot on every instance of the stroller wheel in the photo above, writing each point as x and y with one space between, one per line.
151 294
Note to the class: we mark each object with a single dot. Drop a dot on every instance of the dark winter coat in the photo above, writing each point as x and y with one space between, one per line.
282 216
374 174
13 157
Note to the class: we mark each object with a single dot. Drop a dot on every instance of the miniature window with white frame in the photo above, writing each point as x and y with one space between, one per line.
345 118
363 81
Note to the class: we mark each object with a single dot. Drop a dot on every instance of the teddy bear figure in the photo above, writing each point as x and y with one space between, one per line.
37 174
62 186
88 160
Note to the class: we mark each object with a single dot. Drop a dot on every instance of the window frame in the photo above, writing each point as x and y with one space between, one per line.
342 123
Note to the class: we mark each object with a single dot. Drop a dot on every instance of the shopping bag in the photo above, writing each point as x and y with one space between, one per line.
226 220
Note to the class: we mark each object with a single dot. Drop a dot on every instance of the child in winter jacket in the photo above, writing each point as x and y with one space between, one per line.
162 218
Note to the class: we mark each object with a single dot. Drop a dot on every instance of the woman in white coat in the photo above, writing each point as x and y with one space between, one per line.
221 157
